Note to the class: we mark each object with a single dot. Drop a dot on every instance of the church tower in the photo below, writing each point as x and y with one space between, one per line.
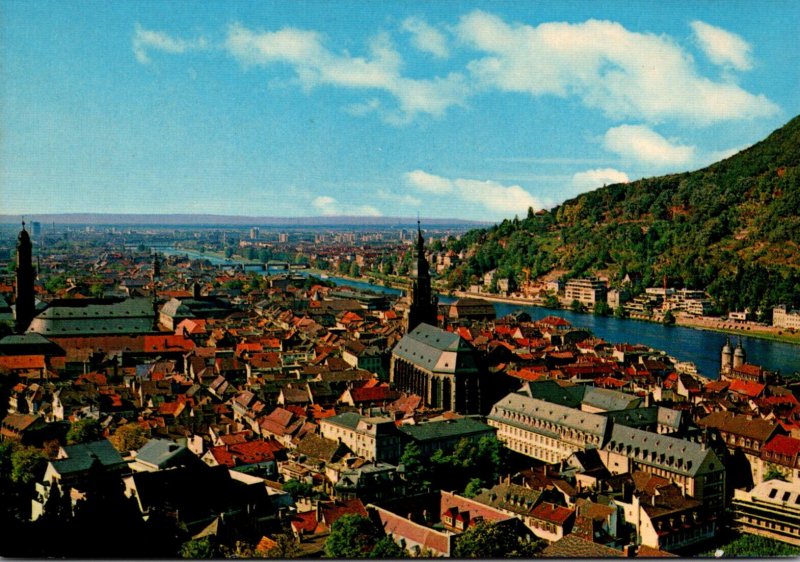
423 303
25 303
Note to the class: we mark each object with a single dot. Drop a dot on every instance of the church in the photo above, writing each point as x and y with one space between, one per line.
437 365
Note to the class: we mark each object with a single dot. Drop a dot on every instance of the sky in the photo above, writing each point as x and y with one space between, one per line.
446 109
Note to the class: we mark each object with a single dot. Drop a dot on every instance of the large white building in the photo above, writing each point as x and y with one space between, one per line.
783 317
585 291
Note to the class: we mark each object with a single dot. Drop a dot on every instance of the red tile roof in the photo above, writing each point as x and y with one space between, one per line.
552 513
783 445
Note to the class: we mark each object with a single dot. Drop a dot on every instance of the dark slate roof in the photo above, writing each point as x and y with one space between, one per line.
675 455
458 427
159 452
79 458
95 317
635 417
551 391
594 424
669 417
436 350
511 497
345 419
609 400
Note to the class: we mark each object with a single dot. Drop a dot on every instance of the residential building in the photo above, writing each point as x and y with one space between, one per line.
771 509
445 434
586 291
371 438
783 317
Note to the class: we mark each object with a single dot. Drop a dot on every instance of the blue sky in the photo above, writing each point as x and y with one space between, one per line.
473 110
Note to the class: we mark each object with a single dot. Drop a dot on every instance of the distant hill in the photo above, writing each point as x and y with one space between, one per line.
228 220
732 228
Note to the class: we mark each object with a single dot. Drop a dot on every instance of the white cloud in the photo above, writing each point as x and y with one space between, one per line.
722 47
145 40
623 73
328 206
644 145
428 182
592 179
426 38
501 200
315 65
399 198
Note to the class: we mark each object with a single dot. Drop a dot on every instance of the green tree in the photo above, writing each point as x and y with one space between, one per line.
387 548
27 465
773 473
297 489
83 431
129 437
601 308
576 306
473 488
200 549
669 318
355 270
352 536
619 312
415 471
229 252
487 539
551 301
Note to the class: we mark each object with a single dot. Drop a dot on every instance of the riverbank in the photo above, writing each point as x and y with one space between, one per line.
697 323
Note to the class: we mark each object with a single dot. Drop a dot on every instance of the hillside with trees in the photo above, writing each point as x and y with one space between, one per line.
732 229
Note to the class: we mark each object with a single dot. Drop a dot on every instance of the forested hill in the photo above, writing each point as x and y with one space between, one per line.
732 228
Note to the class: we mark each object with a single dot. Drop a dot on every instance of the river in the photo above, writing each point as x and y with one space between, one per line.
701 347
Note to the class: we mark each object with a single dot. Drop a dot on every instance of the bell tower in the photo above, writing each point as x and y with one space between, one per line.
423 303
25 303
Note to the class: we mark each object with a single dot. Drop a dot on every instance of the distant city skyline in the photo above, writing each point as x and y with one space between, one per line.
470 110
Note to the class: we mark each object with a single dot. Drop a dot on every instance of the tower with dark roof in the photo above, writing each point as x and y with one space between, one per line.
422 302
25 303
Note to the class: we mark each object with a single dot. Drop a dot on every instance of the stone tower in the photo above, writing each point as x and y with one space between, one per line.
739 356
25 303
726 363
422 303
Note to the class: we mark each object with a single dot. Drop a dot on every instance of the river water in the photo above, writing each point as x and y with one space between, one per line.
701 347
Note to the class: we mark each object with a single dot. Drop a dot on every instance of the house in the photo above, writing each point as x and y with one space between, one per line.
251 457
771 509
160 454
372 438
73 466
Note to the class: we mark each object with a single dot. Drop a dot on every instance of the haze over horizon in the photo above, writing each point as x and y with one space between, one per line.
470 110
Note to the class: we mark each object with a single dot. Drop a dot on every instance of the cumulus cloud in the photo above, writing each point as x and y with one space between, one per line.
623 73
145 40
722 47
426 38
316 65
642 144
491 196
328 206
591 179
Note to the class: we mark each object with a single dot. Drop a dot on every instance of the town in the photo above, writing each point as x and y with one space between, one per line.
212 392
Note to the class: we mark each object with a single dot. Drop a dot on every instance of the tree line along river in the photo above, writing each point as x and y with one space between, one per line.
701 347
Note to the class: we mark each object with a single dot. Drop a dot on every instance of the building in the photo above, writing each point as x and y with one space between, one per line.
544 430
471 310
586 291
422 302
25 303
783 317
445 434
94 317
371 438
440 366
771 509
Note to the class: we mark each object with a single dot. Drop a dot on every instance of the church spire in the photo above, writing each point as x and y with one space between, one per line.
26 275
422 303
